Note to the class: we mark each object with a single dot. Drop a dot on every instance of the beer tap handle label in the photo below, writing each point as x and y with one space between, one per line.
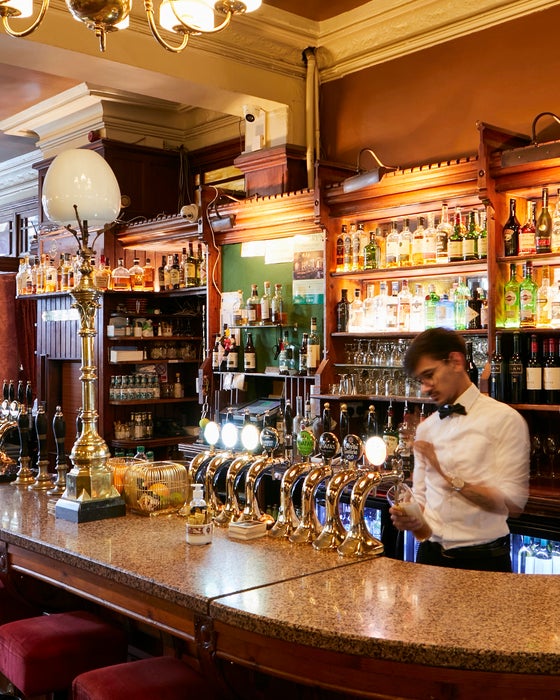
305 443
352 448
328 445
269 439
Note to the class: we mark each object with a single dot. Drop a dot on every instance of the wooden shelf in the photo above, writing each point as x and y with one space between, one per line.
154 402
467 267
153 442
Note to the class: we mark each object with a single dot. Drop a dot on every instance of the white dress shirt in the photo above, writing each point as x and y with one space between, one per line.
488 446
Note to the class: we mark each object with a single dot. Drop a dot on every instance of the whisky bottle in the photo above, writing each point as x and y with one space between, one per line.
120 277
455 240
178 388
253 306
265 305
216 353
357 254
161 282
510 232
313 348
544 226
277 306
470 240
339 253
191 268
390 433
249 355
232 360
555 233
430 242
418 242
101 277
482 237
175 273
136 276
149 275
392 247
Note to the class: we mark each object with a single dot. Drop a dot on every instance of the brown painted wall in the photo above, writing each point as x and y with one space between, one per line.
424 107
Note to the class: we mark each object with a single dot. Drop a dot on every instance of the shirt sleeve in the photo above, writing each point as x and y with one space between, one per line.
512 456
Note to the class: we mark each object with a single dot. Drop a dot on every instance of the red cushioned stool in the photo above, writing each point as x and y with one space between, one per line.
160 677
12 608
42 655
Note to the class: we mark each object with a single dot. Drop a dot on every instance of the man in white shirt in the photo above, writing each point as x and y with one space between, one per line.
471 461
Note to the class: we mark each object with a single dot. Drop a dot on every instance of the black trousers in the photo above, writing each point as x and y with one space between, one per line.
491 556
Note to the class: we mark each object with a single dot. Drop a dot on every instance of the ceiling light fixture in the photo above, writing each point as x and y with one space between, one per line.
535 151
183 17
365 178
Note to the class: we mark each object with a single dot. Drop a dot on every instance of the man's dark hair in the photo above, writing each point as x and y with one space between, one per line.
436 343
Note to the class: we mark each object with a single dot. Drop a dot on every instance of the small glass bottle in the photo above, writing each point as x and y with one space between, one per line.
136 276
149 276
277 306
249 355
265 319
120 277
199 526
140 452
253 307
178 388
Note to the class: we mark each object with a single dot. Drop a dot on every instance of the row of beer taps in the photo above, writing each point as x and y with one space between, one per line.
323 461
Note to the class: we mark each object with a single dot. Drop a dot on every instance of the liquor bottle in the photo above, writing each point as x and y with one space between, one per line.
443 231
183 268
380 308
342 312
533 374
356 312
265 319
372 253
249 355
372 429
277 306
392 308
344 421
357 254
339 254
482 245
405 245
455 240
313 348
555 233
66 281
178 388
511 299
461 305
149 276
527 233
474 310
381 243
288 426
510 231
136 276
202 266
472 369
404 306
516 373
544 226
283 364
543 299
120 277
167 272
554 302
347 255
191 272
417 310
551 374
161 281
470 240
430 242
430 307
528 299
217 351
253 306
418 242
302 357
175 273
392 247
369 307
101 275
497 381
232 360
51 276
390 433
225 342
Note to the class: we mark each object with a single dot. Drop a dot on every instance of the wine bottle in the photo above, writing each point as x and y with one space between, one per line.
533 374
510 232
551 374
249 355
232 359
544 226
216 353
390 432
472 369
497 384
342 312
516 373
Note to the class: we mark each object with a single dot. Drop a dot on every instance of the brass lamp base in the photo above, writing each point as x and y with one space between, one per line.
88 511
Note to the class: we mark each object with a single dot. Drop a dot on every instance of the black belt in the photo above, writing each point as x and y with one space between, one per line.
496 548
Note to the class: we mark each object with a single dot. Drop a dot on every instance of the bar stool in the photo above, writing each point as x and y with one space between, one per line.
11 608
42 655
161 677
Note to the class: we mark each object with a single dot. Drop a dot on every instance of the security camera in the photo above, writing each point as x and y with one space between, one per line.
251 112
190 212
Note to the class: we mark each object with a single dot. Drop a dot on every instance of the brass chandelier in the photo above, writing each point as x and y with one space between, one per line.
183 17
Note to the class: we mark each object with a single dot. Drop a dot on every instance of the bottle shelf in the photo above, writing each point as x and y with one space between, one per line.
372 397
269 375
401 334
470 267
155 402
539 331
538 259
551 408
162 361
152 442
151 339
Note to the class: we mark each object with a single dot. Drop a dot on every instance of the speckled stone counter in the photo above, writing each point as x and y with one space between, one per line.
373 609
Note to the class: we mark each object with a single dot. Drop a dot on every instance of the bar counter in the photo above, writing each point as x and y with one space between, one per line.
371 626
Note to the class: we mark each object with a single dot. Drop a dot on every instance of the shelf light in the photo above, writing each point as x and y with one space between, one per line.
535 151
366 178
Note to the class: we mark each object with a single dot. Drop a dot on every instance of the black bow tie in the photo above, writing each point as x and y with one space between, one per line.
448 408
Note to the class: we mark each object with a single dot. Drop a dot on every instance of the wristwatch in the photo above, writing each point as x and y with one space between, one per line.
457 483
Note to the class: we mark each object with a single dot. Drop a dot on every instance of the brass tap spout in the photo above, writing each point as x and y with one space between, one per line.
334 532
287 520
358 540
197 462
220 461
309 526
231 509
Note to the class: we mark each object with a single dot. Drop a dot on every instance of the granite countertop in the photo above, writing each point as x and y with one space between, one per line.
367 607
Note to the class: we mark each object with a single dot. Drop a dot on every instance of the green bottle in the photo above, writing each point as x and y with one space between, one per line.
470 240
455 240
430 307
371 253
511 299
528 293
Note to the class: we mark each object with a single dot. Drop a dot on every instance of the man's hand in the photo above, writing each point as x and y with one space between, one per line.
402 521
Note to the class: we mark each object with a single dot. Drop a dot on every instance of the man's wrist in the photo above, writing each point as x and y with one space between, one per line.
457 483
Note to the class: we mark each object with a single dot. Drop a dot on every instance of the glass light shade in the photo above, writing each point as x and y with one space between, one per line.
197 14
250 437
250 5
376 450
23 8
229 435
83 178
212 432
